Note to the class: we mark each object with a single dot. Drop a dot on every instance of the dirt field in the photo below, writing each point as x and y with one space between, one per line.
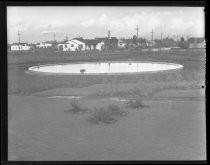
168 123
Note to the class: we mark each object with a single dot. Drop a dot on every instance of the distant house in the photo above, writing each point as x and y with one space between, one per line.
71 45
197 42
67 46
63 46
109 43
44 45
94 44
80 44
121 44
150 43
20 46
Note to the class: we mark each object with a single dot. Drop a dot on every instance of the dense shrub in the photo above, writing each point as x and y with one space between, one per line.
106 115
76 107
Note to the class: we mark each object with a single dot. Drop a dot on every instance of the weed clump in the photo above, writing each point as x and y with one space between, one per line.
76 107
106 116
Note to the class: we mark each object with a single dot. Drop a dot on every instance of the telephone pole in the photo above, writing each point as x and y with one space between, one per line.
19 37
109 34
161 37
152 36
54 36
137 32
19 40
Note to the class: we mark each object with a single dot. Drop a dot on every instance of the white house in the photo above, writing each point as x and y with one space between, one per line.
150 43
100 45
20 46
80 44
71 45
66 46
44 45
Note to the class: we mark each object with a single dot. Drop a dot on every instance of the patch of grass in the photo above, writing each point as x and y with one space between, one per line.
76 107
106 116
136 104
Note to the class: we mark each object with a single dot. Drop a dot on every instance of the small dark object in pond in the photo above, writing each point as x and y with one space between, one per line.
82 70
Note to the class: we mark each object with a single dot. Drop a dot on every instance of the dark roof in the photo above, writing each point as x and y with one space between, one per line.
91 41
114 38
194 39
62 42
101 39
48 42
19 44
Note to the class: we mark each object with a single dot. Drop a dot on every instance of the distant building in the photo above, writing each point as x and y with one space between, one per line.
63 46
121 44
67 46
20 46
80 44
109 43
44 45
71 45
94 44
150 43
197 43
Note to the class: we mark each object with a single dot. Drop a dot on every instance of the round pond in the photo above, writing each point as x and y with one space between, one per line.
105 67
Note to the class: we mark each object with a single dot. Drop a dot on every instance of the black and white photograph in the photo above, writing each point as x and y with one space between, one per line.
106 83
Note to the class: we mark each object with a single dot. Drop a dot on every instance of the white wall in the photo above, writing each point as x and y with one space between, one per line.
69 46
20 47
79 43
100 45
44 45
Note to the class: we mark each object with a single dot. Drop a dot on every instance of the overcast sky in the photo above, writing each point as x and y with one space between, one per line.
37 24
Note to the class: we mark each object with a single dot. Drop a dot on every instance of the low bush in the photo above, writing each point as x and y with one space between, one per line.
76 107
101 116
106 116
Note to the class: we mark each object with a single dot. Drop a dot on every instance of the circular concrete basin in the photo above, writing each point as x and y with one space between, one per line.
120 67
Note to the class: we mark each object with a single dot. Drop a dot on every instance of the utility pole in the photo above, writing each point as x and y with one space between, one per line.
161 37
109 34
19 40
152 36
137 33
54 36
19 37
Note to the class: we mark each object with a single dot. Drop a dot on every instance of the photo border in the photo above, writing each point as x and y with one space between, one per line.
4 71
